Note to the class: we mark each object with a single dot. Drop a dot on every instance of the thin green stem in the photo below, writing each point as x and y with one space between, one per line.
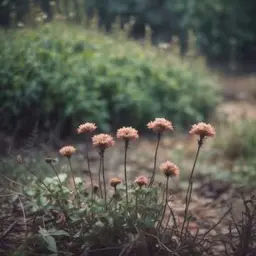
88 163
104 181
136 205
166 203
155 159
55 172
125 170
190 185
73 178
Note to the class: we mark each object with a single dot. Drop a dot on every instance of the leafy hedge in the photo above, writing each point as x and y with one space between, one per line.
52 76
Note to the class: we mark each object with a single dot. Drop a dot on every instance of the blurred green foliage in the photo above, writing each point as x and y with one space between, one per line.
237 141
59 72
225 29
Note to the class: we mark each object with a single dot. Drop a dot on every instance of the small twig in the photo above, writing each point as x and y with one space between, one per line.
173 217
9 195
216 224
24 217
13 181
8 230
163 245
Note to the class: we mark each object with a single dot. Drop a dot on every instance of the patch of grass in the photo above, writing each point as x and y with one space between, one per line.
237 140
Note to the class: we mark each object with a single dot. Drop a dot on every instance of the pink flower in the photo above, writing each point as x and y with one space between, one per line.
103 141
127 133
203 130
170 169
141 180
160 125
67 151
86 128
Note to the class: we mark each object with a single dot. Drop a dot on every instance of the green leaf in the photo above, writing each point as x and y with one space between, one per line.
49 240
54 232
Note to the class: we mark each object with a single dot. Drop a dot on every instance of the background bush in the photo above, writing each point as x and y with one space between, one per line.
62 75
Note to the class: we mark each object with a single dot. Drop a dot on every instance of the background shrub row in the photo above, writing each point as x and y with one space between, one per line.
62 75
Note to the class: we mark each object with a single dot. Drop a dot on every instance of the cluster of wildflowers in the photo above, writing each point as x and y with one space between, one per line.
159 126
139 205
169 169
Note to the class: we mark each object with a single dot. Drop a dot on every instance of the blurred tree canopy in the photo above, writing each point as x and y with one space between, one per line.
225 29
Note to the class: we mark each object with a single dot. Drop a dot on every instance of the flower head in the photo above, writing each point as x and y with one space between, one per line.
160 125
86 128
127 133
170 169
67 151
114 182
203 130
102 141
50 160
141 180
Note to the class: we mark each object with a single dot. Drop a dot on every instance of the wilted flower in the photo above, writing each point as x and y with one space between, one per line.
95 188
102 141
160 125
127 133
86 128
114 182
170 169
50 160
203 130
141 180
67 151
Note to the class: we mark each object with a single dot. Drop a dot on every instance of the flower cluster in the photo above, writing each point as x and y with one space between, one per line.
159 125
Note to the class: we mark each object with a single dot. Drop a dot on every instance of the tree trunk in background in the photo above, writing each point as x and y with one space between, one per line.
66 10
77 11
58 6
46 8
5 11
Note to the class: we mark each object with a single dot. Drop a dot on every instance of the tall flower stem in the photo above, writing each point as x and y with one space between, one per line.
99 177
154 170
125 170
166 202
136 205
190 185
103 176
88 163
72 174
